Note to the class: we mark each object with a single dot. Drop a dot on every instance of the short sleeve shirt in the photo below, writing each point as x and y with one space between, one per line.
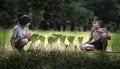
18 32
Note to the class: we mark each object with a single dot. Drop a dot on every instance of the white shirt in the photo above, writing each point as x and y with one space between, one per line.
19 32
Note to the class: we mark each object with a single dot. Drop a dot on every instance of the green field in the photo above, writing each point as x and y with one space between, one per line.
57 60
113 45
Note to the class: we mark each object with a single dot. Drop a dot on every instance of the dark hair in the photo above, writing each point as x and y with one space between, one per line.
24 20
98 20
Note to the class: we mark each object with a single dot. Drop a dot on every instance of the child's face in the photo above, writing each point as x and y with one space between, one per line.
96 24
27 25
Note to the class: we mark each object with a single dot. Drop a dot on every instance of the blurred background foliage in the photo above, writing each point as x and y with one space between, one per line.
61 14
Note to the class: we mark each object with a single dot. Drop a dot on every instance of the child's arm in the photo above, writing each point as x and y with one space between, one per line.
90 38
108 35
103 30
28 36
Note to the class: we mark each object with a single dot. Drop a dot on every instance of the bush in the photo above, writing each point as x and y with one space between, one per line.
53 60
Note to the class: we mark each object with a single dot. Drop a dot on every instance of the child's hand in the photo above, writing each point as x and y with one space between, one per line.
100 30
29 36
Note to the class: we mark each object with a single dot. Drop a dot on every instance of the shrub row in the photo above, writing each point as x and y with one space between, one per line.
55 60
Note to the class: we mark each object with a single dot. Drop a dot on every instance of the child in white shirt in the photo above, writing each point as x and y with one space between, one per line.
20 36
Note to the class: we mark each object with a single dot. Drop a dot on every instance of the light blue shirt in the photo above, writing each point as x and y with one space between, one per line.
19 32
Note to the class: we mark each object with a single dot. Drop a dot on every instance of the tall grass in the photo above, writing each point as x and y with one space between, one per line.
53 60
115 42
5 38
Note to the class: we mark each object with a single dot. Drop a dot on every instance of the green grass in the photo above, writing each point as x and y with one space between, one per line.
53 60
114 43
4 38
59 60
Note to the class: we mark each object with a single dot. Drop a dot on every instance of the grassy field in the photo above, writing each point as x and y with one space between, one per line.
57 60
114 43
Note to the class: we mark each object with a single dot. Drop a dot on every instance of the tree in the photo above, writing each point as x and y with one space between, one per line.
54 14
106 10
37 11
77 14
7 13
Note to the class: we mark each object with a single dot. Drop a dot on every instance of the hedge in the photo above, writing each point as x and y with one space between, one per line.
56 60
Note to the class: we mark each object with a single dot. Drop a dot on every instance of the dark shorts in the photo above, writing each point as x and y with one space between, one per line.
98 44
17 43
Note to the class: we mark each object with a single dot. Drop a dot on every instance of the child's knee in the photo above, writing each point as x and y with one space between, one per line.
25 41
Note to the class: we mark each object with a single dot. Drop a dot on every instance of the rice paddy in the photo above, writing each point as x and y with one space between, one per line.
56 40
50 45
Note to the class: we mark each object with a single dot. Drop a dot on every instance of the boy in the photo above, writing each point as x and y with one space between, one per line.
20 36
100 36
